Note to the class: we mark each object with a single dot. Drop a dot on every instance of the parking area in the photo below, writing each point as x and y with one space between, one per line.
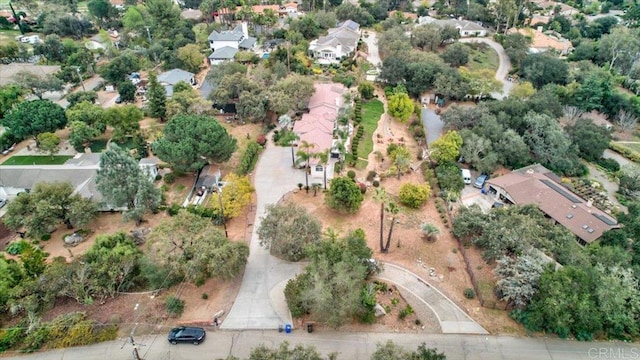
471 195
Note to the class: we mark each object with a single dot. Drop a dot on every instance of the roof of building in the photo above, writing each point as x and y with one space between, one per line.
541 41
174 76
248 43
291 5
8 71
564 8
259 9
224 53
346 35
191 14
227 35
316 126
537 185
457 23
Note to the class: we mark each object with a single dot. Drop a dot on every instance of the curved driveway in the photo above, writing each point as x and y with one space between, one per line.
504 65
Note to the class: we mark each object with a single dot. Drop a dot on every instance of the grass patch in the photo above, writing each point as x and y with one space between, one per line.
7 36
634 146
482 56
37 160
371 112
361 164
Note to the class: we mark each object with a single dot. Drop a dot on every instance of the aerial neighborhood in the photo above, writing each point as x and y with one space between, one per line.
226 173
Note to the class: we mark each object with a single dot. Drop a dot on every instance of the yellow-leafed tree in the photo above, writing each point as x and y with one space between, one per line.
236 195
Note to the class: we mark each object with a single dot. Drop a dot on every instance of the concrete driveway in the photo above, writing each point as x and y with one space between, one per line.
504 65
260 302
372 46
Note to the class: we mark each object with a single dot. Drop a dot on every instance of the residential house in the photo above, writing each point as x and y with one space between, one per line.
118 4
536 185
102 40
465 27
317 127
169 78
80 172
191 14
225 44
545 41
290 9
550 8
8 71
340 42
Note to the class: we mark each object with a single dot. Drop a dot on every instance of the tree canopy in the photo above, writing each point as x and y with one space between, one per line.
30 118
189 142
344 195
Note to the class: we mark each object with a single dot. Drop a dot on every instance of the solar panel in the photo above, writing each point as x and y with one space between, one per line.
605 219
561 191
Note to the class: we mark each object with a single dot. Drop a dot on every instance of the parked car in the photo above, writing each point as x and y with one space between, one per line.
3 202
187 334
118 100
480 180
466 176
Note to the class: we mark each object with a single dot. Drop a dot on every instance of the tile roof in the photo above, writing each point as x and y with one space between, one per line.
457 23
248 43
345 35
537 185
317 125
541 41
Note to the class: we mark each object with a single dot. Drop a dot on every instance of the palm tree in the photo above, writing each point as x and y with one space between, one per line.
430 231
304 156
381 196
324 159
315 187
393 209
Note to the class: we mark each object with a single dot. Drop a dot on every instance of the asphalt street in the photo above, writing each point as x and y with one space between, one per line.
348 346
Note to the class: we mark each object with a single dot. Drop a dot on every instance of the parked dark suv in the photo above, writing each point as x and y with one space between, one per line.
194 335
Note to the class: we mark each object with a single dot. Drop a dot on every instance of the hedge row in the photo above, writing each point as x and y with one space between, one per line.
626 152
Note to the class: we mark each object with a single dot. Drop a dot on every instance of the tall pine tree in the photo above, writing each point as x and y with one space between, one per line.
157 98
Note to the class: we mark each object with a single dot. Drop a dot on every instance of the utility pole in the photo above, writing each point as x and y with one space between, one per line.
224 223
17 19
136 355
148 35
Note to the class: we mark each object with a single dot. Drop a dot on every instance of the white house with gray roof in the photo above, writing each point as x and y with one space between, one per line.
465 27
225 44
80 172
169 78
340 42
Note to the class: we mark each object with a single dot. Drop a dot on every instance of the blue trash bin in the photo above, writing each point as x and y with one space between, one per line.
287 328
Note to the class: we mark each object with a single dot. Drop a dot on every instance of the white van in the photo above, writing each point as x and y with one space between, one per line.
466 176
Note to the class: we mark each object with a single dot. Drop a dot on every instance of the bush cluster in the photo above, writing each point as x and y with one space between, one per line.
249 158
609 164
414 195
626 152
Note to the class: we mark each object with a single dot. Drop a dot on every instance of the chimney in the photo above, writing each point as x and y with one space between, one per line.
539 29
245 29
590 203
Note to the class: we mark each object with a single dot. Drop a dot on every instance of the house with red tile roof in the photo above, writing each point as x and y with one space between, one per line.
317 127
541 42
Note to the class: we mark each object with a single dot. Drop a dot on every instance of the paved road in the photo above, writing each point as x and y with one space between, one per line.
372 46
349 346
504 65
259 304
452 319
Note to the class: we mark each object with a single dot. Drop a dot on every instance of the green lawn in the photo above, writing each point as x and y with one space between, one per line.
482 56
634 146
37 160
371 112
7 36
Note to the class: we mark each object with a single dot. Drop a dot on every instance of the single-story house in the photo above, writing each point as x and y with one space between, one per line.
550 6
465 27
225 44
340 42
8 71
537 185
317 127
541 42
80 172
169 78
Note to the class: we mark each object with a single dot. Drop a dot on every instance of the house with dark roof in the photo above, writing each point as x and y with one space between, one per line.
9 71
225 44
539 186
80 172
466 28
339 43
169 78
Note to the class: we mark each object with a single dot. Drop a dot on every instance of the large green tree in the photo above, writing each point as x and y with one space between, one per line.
592 140
30 118
189 142
46 206
38 84
196 249
287 231
344 195
125 121
124 185
157 98
9 96
541 69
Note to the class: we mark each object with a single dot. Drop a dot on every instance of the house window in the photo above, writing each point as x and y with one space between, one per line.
318 168
328 55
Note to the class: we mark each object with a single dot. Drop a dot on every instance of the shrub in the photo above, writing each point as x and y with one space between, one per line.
293 294
205 296
351 174
363 187
169 178
413 195
17 247
375 183
45 237
261 140
609 164
249 158
158 177
469 293
371 174
405 312
173 209
10 337
174 306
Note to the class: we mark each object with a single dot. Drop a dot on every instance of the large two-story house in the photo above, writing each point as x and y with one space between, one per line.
339 43
225 44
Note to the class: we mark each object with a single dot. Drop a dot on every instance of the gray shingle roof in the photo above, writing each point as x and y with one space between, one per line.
224 53
173 76
82 179
248 43
227 35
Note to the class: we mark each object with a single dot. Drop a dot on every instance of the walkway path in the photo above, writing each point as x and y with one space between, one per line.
258 305
452 319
